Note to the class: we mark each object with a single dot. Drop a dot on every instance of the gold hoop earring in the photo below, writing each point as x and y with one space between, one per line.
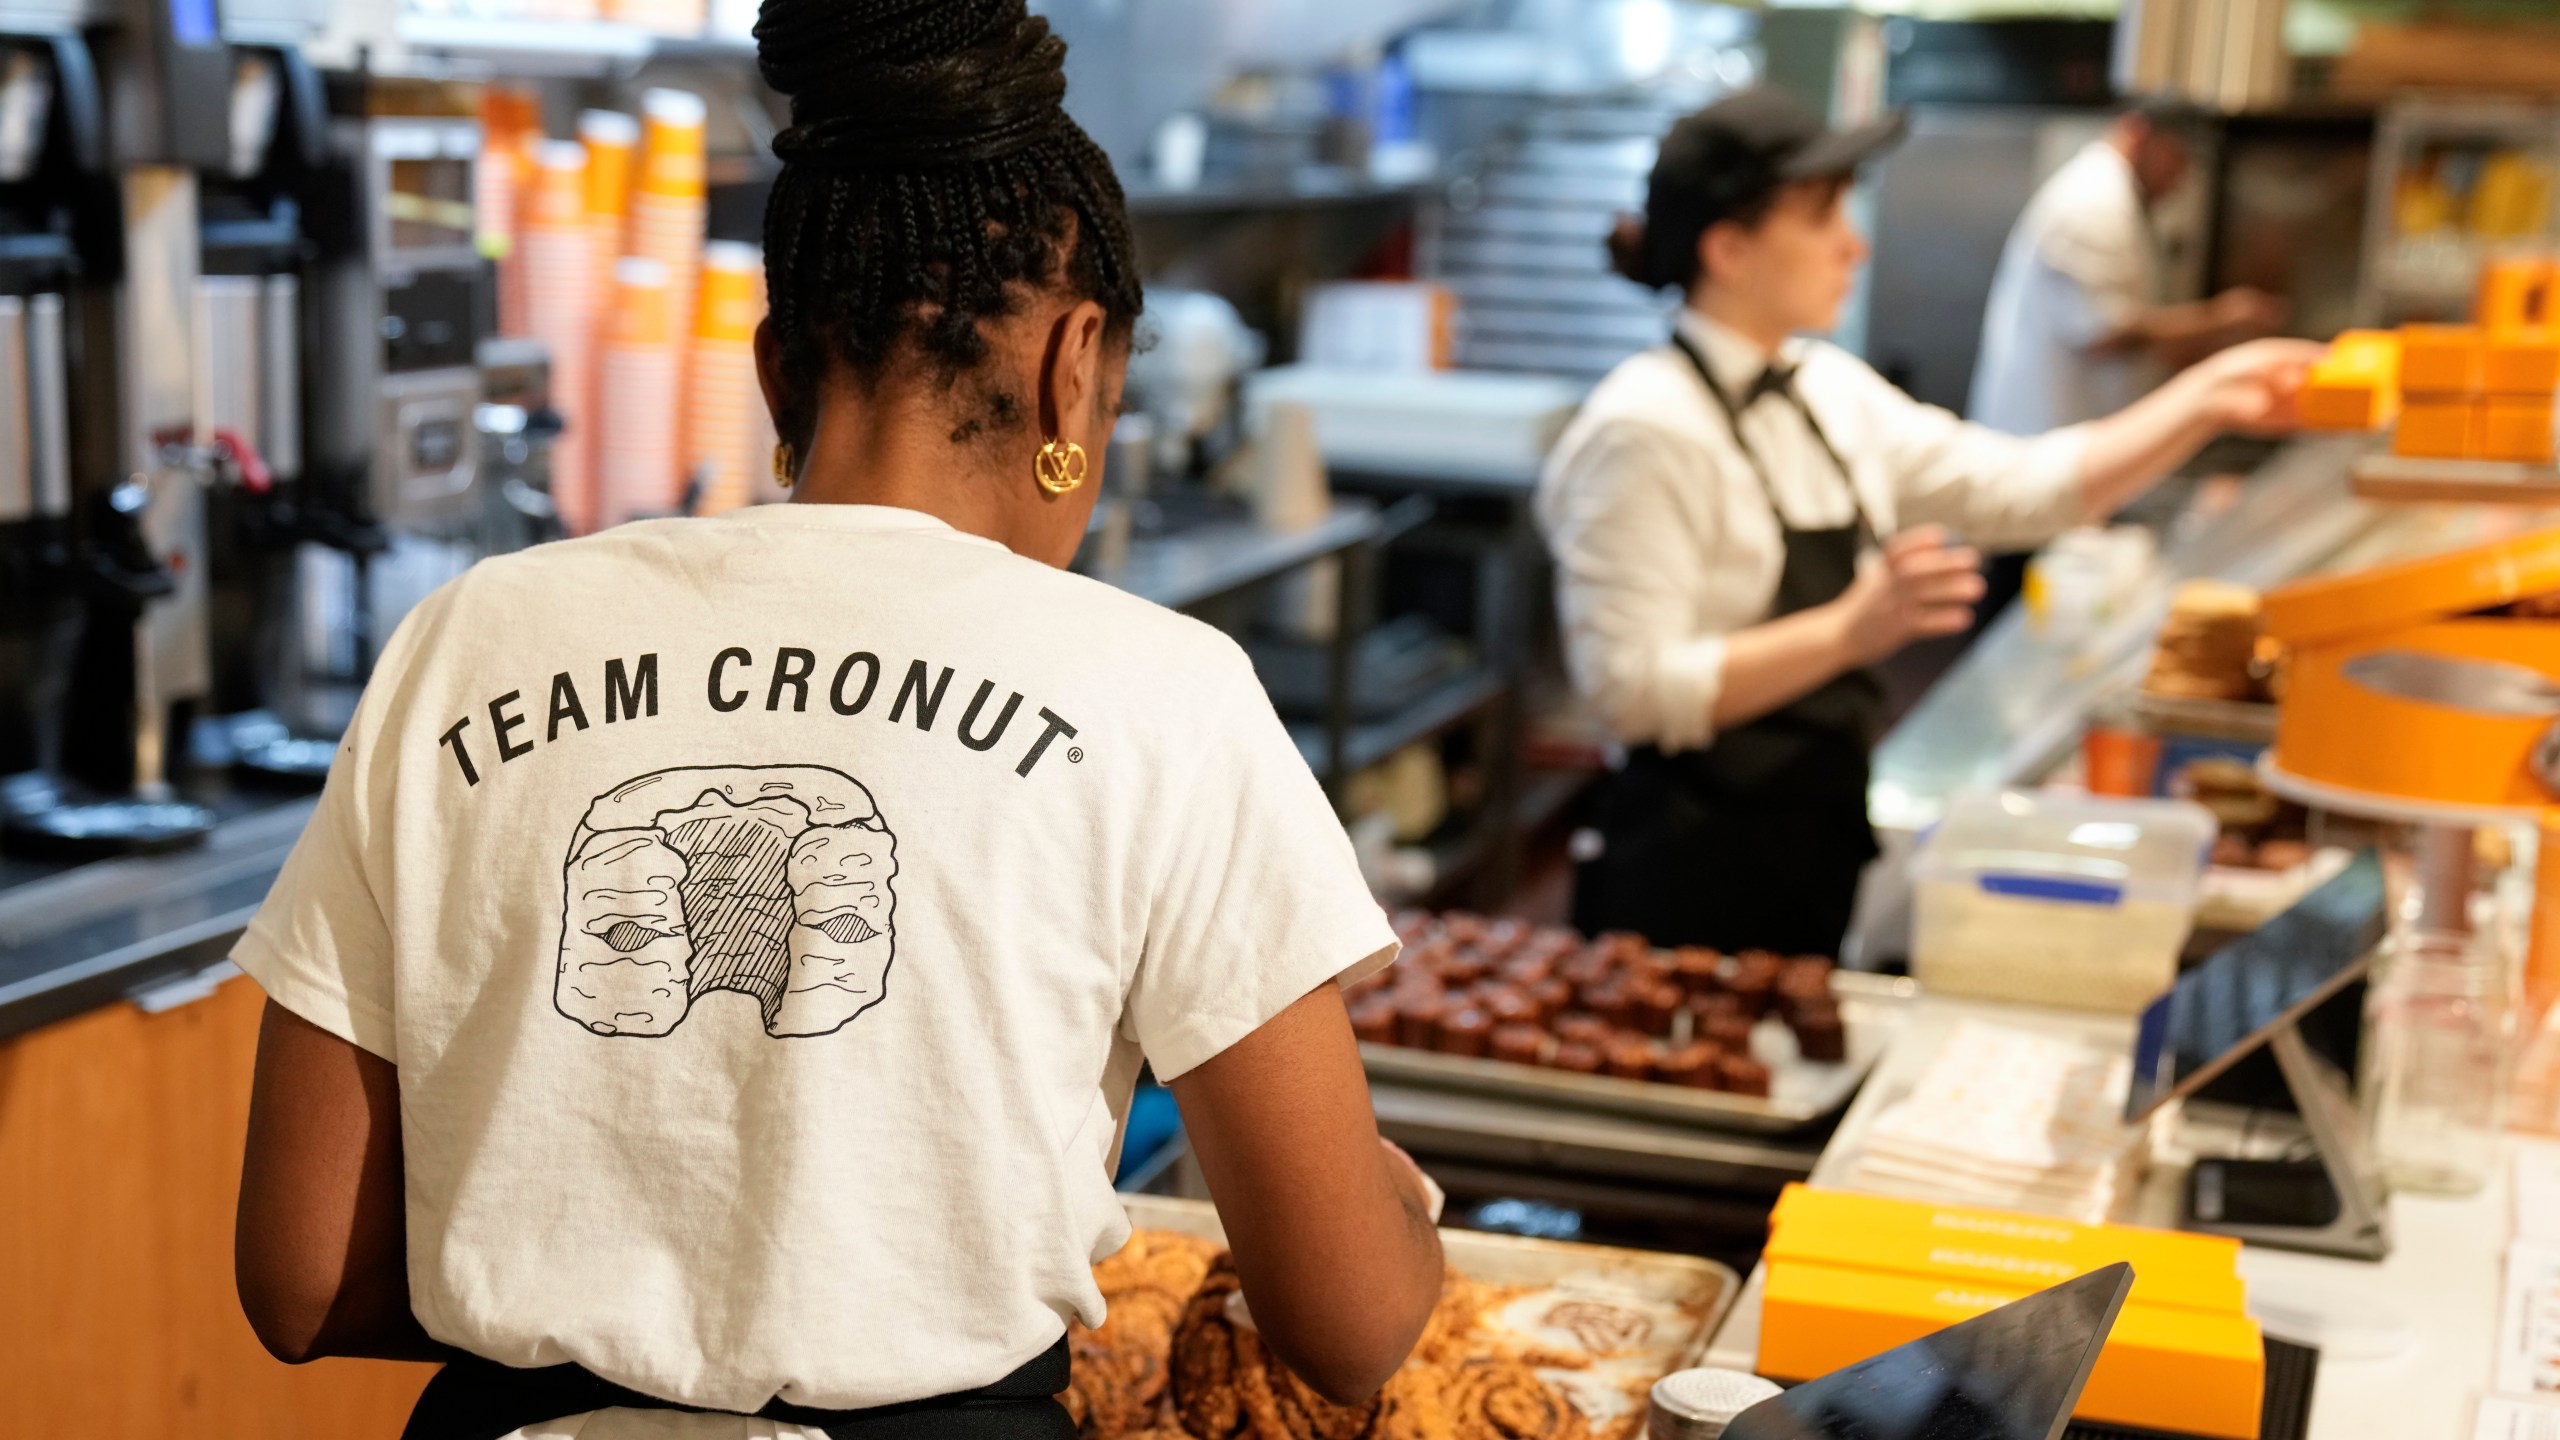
1059 467
784 463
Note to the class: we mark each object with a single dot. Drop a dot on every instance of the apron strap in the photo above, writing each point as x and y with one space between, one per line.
1732 410
476 1399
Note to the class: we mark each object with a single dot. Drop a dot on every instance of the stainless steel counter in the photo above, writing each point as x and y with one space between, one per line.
79 939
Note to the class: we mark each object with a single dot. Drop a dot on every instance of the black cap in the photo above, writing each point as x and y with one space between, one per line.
1730 158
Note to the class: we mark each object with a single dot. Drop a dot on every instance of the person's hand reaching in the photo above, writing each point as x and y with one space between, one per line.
2246 311
2256 388
1919 586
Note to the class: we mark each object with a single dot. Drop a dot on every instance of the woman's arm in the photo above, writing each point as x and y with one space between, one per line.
1332 1236
320 1251
2249 387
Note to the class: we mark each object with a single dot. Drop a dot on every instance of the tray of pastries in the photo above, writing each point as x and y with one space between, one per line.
1532 1340
1753 1041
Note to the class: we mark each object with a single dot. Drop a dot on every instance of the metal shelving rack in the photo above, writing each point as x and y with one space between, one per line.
2430 276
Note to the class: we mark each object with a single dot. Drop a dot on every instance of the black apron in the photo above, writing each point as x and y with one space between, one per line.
476 1399
1757 841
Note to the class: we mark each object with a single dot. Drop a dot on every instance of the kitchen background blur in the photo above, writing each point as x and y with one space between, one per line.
306 307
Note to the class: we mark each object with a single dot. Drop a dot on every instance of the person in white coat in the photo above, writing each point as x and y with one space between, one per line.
2075 328
1744 521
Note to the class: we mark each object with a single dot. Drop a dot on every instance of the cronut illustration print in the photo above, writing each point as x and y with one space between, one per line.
771 880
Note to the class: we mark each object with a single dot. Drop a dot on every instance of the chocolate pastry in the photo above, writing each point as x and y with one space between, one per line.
1607 999
1519 1044
1465 1032
1374 1019
1585 967
1579 1028
1228 1386
1651 1005
1653 967
1806 975
1577 1057
1528 969
1465 967
1554 996
1819 1034
1630 1057
1753 980
1728 1031
1553 941
1743 1076
1693 1064
1411 925
1418 1020
1511 1005
1623 945
1503 937
1462 927
1698 970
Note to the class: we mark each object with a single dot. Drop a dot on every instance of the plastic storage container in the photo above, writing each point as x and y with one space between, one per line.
2057 899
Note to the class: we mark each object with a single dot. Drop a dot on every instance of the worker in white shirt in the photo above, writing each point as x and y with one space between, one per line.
1744 521
2075 328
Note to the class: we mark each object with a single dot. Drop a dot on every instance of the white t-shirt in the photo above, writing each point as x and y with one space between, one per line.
2080 265
767 916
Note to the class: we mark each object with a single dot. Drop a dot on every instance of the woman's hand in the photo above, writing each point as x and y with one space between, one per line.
2255 388
1920 586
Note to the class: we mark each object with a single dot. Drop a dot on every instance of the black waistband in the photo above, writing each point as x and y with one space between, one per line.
476 1399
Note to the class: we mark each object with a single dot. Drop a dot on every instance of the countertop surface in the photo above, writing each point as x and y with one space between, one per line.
2405 1344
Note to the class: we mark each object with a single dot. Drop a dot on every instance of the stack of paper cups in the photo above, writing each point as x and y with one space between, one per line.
510 127
558 264
668 210
720 378
613 145
635 444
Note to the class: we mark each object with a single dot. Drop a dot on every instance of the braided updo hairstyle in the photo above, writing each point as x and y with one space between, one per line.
929 166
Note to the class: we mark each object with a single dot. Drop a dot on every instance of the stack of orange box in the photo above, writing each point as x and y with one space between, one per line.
1851 1276
2484 391
2356 386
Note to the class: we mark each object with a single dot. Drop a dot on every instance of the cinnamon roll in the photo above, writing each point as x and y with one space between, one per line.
1228 1386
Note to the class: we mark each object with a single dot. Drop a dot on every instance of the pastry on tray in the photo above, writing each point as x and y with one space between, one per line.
1118 1382
1194 1373
1227 1385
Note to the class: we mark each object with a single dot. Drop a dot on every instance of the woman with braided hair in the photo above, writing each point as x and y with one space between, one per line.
706 998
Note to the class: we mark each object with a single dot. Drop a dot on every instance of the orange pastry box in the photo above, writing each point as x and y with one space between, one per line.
2367 737
2516 293
2002 1247
2517 428
2439 427
2163 1369
2356 386
2442 359
2523 363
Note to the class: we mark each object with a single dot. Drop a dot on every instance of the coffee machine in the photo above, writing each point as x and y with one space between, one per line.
50 154
140 464
266 712
402 300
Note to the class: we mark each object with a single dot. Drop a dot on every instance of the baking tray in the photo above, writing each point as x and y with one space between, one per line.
1611 1392
1872 1009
